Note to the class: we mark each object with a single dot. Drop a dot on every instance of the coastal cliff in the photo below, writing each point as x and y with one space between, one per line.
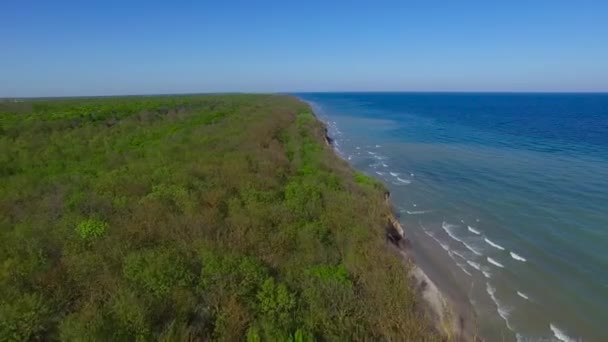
451 318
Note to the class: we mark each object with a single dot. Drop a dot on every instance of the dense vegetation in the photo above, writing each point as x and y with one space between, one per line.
194 217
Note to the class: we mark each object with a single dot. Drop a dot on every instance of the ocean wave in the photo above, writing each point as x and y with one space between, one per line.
448 229
517 257
523 295
459 255
385 165
503 311
560 334
404 181
443 245
474 265
417 212
464 270
372 153
495 245
378 146
394 174
472 249
473 230
487 274
380 173
494 262
400 184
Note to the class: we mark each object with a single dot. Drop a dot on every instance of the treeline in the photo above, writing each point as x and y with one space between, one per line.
190 218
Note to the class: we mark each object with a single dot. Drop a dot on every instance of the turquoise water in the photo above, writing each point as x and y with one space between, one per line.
511 188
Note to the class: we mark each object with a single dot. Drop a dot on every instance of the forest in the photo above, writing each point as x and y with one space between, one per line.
202 217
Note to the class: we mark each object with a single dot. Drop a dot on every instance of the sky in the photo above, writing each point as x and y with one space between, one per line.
77 48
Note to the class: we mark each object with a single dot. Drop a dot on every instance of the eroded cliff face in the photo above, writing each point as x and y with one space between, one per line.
394 230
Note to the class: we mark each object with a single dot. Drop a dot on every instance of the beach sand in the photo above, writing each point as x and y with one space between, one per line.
445 300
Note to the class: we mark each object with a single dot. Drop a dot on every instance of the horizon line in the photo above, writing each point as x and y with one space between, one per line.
563 92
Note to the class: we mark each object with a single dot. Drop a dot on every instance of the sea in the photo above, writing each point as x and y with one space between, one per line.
503 195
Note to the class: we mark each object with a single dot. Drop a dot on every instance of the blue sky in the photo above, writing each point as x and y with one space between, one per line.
62 48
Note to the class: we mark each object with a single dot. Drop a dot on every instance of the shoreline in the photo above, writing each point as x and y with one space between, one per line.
452 314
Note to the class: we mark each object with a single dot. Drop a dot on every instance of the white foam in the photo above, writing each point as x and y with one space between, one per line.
495 245
412 174
414 204
518 257
494 262
404 181
394 174
469 247
448 229
474 265
372 153
358 148
385 165
417 212
380 173
523 295
443 245
473 230
400 184
460 255
503 311
350 157
487 274
377 146
464 270
560 334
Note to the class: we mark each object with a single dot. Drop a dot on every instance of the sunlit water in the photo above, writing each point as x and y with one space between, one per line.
512 188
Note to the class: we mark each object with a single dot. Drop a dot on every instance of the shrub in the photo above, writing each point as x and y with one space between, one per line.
23 318
276 302
91 228
157 271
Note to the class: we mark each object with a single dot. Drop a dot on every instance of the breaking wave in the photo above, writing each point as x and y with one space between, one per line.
472 249
560 334
495 245
473 230
523 295
417 212
495 263
474 265
502 310
518 257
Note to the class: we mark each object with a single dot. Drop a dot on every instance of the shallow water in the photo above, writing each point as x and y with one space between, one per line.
512 187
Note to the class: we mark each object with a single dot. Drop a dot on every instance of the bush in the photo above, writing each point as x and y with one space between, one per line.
157 271
91 228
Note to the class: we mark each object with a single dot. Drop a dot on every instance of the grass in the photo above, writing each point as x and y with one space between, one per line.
218 217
